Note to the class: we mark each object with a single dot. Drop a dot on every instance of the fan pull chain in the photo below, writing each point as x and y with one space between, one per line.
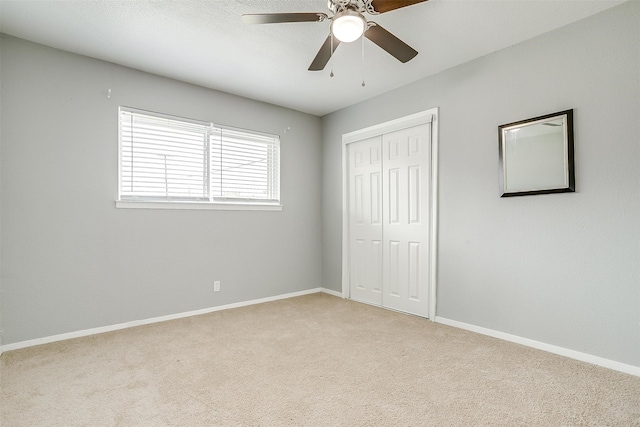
331 54
362 37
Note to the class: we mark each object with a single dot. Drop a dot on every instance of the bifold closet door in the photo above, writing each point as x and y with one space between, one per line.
389 195
406 159
365 220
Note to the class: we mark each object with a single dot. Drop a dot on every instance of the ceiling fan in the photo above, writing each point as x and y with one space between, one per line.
347 25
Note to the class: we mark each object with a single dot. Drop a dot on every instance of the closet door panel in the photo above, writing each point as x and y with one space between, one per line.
365 221
405 230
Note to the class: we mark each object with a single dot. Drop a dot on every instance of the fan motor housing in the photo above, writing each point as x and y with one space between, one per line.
360 6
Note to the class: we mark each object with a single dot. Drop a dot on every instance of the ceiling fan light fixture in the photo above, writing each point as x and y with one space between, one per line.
348 26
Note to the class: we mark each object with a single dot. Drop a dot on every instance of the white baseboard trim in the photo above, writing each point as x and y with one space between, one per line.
110 328
572 354
332 292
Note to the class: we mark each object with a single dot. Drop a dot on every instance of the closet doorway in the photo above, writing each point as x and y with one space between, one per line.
389 214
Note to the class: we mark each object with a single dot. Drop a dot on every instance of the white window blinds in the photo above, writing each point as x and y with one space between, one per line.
164 158
244 166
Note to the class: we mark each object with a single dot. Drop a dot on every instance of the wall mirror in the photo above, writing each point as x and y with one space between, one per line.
536 155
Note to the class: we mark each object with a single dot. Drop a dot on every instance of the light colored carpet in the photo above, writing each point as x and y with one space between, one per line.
315 360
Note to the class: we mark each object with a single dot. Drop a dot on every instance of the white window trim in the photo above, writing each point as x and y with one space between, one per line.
126 204
232 205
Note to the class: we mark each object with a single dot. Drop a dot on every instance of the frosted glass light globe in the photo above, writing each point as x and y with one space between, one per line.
348 26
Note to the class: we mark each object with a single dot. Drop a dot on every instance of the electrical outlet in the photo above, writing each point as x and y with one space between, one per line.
216 286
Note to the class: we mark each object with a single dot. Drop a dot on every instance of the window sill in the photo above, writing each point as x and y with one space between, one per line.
126 204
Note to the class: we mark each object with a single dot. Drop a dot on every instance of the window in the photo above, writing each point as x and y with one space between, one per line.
172 159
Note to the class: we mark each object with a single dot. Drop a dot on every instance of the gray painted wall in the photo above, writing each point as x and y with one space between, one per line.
1 329
563 269
72 261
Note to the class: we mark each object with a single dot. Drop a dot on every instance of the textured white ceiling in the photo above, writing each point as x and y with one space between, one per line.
206 43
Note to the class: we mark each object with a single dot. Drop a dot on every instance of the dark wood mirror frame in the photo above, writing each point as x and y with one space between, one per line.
537 155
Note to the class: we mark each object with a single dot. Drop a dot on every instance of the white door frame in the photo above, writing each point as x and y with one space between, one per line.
427 116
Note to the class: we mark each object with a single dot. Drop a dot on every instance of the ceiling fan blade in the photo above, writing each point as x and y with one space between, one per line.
324 54
387 41
277 18
382 6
